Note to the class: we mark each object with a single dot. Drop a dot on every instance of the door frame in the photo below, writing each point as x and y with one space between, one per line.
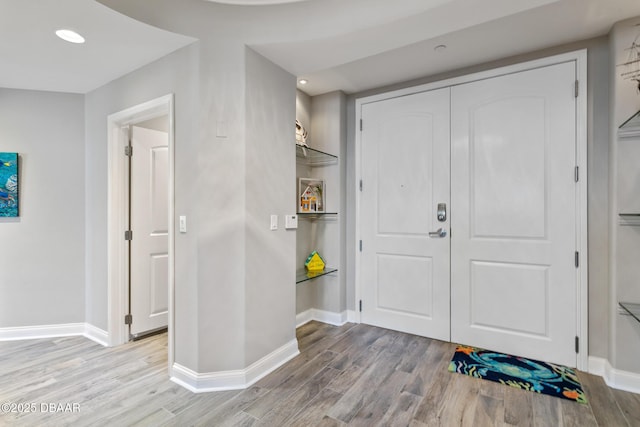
580 59
117 210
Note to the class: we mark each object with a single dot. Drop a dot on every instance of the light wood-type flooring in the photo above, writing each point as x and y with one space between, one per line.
354 375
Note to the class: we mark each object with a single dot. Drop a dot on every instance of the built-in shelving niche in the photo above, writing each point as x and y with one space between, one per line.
627 131
314 158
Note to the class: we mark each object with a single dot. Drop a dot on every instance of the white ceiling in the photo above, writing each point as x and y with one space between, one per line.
351 45
33 57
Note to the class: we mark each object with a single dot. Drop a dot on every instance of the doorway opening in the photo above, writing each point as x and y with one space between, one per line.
154 117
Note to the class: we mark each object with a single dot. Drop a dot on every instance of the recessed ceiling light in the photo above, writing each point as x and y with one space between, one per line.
303 81
70 36
440 48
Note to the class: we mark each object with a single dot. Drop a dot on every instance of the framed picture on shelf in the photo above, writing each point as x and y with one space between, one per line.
311 195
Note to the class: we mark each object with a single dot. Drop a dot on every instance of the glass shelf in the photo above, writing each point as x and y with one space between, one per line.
313 157
632 309
317 215
630 128
630 218
302 275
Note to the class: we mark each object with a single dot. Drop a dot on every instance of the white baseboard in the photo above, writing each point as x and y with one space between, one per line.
237 379
41 331
615 378
54 331
332 318
304 317
96 334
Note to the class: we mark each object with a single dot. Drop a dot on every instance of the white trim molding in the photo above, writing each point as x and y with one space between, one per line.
54 331
615 378
330 317
236 379
41 331
117 208
96 334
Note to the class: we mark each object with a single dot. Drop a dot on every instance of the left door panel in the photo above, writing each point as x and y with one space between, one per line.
150 225
405 173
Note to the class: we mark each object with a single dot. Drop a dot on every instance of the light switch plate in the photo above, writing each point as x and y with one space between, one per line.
290 222
183 224
274 222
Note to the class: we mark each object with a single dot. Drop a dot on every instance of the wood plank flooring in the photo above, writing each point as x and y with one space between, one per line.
354 375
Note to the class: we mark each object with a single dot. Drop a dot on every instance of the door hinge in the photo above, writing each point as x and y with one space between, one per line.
577 345
128 150
577 259
577 88
360 306
128 319
360 185
360 245
360 125
128 235
577 173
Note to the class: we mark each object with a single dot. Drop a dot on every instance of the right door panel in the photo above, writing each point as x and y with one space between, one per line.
513 206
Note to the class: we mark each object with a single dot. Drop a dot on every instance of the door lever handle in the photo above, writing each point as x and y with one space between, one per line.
440 233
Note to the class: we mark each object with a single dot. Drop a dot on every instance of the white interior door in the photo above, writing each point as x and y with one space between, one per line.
513 207
149 223
405 173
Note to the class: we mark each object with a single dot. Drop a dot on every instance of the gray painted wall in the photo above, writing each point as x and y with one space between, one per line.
42 253
270 178
598 177
229 178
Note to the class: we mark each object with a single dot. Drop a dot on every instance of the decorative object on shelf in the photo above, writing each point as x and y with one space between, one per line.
631 68
301 134
311 195
314 262
9 185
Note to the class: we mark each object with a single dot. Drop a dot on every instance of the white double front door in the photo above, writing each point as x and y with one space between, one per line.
498 271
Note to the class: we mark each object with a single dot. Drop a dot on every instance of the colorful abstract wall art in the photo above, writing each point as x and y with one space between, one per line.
9 185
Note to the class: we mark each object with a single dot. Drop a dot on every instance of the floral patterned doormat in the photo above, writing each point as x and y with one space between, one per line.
518 372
